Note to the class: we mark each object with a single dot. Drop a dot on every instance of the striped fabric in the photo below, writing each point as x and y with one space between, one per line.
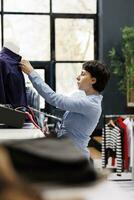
112 146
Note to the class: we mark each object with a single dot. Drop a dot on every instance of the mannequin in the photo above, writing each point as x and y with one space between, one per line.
12 46
12 83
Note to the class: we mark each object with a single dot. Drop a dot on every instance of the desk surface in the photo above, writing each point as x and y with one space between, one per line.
105 190
23 133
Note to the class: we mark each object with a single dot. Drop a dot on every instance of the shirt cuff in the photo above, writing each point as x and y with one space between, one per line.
32 74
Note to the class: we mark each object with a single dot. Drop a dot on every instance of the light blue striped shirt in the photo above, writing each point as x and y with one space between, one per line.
81 116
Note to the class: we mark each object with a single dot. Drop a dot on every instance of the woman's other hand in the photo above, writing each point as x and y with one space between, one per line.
26 66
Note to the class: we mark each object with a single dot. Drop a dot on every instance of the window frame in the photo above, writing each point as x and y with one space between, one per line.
50 65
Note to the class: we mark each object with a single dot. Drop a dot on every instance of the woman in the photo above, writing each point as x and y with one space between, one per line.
83 110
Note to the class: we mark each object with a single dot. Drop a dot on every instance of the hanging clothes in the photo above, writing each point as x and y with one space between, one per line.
122 125
12 84
112 146
129 124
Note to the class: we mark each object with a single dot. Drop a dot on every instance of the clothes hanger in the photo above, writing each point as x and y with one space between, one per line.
111 122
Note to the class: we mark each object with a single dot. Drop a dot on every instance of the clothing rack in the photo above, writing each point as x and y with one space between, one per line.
122 115
117 115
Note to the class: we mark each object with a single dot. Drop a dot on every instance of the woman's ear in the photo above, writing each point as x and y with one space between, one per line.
93 80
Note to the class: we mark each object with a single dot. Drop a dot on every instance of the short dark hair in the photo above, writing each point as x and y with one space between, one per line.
98 70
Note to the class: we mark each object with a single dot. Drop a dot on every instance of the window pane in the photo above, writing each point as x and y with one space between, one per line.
32 35
74 39
27 5
66 74
74 6
28 83
41 72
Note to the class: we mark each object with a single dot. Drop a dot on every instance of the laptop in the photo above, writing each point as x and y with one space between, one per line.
11 118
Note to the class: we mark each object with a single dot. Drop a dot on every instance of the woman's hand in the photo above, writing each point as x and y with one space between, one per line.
26 66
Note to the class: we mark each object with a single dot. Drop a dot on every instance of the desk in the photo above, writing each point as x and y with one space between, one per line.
22 133
105 190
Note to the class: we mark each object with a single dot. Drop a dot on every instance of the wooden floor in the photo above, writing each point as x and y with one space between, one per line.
95 154
98 139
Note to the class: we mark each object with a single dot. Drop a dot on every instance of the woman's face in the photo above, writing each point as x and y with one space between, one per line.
85 80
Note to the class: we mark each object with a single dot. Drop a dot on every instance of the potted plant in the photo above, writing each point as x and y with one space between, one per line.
122 64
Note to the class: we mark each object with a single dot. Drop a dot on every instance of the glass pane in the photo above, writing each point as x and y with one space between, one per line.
27 5
32 35
74 39
74 6
28 83
41 72
66 74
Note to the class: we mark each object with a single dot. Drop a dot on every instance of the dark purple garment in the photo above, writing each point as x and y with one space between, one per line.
12 83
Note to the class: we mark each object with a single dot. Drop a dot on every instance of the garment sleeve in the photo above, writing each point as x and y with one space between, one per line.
73 104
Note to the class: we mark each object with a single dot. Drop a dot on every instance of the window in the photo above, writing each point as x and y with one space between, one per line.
27 6
57 36
74 6
69 72
31 33
41 72
74 39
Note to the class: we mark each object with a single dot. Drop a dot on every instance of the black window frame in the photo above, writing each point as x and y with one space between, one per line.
50 65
